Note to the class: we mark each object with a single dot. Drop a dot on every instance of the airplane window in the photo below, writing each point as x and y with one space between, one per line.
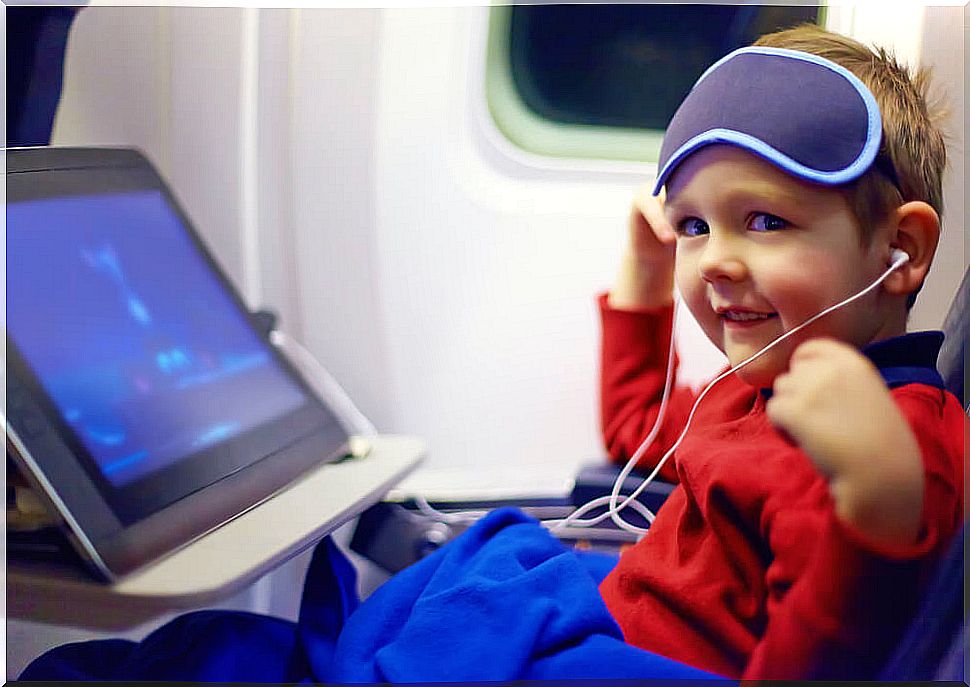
584 72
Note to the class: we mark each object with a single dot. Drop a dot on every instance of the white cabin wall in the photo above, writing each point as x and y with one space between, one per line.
332 199
930 36
116 91
487 268
943 49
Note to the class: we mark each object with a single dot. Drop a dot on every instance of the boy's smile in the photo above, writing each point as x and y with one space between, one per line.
759 252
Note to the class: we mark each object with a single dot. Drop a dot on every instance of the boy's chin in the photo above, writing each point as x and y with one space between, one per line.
758 373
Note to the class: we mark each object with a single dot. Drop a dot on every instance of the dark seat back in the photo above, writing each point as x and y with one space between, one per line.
36 46
952 360
934 646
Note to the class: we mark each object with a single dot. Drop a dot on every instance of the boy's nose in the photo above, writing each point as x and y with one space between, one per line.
722 260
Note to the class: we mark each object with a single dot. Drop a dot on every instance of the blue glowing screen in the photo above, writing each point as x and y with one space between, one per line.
135 341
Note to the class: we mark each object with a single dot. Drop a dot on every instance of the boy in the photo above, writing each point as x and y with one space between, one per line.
812 498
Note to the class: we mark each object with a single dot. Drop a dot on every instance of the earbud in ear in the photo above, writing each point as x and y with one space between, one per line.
899 257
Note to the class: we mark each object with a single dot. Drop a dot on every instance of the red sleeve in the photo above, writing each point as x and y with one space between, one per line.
633 368
849 606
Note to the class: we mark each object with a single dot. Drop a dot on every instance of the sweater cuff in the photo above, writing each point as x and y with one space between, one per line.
627 330
604 302
924 544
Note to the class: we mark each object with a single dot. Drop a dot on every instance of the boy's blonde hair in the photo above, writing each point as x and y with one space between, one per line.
912 156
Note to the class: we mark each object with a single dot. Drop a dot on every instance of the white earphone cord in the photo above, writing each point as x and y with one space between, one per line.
348 415
899 258
613 512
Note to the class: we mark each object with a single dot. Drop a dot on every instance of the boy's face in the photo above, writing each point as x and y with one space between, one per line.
760 251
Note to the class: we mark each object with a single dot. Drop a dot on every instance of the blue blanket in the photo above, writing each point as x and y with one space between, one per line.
504 601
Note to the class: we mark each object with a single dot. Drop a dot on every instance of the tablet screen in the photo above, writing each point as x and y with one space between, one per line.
139 347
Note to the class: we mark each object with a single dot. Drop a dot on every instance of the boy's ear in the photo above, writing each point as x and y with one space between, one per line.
916 230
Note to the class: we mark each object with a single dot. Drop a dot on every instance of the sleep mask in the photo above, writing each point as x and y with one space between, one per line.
805 114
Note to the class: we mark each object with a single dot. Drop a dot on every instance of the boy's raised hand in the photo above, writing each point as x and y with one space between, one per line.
835 405
646 277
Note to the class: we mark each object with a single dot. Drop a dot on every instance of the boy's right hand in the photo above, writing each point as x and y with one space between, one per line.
833 403
646 277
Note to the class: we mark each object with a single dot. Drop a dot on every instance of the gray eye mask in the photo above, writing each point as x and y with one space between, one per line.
809 116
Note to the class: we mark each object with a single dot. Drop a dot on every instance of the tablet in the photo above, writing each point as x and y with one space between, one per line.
142 399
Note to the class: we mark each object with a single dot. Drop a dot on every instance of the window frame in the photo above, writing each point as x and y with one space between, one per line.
531 132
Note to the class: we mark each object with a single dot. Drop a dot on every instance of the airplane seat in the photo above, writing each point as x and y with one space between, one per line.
953 354
934 645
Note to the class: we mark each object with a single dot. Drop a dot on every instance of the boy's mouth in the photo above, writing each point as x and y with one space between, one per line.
740 317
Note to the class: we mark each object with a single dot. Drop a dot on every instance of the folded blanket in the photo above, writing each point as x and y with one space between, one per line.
506 600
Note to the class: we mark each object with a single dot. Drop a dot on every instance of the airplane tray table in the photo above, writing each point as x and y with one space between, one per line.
223 561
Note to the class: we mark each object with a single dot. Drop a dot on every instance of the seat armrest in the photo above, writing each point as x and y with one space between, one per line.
596 480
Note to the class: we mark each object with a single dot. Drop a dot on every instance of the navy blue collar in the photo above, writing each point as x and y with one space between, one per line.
906 359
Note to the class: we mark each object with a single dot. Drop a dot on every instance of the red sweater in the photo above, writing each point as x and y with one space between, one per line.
746 571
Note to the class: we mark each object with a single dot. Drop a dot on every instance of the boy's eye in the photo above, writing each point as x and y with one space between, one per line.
765 222
693 227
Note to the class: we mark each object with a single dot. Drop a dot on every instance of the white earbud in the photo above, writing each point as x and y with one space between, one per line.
898 258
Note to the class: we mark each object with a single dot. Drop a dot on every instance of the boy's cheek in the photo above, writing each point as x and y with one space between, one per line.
693 292
696 302
805 272
687 278
801 287
804 298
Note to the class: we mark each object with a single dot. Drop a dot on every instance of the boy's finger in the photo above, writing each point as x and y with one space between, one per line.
781 385
651 208
779 413
670 236
806 352
665 232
